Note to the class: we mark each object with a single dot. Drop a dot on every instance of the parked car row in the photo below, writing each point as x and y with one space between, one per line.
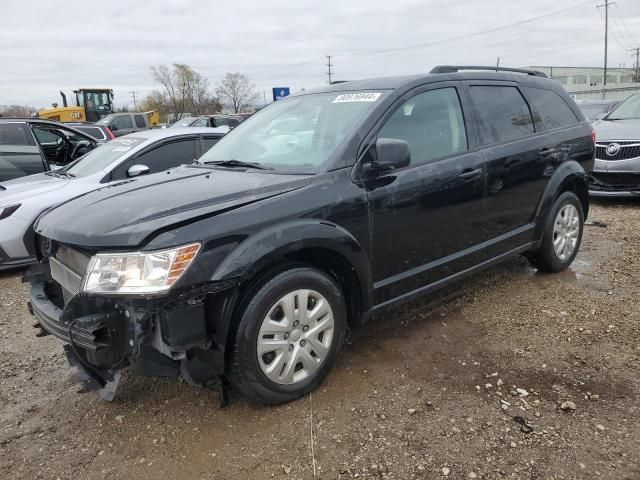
327 207
150 151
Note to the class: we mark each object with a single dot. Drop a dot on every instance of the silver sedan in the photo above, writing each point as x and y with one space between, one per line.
22 200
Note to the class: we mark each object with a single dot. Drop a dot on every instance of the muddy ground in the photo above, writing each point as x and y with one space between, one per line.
428 391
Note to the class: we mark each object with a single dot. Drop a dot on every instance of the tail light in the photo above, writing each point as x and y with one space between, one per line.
112 136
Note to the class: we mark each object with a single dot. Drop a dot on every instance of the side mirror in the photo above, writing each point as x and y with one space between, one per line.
391 153
137 170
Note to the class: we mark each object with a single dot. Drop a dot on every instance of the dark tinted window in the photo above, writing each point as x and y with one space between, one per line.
15 134
504 113
169 155
95 132
45 136
431 123
208 142
220 122
122 122
140 123
551 107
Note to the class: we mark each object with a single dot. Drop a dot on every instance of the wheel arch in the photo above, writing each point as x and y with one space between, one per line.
318 244
569 177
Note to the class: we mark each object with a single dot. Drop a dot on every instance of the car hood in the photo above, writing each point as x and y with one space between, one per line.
609 130
19 189
126 214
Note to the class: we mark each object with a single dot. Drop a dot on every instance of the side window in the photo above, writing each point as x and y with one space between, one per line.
551 107
140 123
233 122
45 136
202 122
503 113
122 122
169 155
431 123
15 134
208 142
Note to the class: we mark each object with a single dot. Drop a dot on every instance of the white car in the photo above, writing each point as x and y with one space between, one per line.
22 200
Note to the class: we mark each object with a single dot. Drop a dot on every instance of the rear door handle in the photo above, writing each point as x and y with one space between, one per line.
469 174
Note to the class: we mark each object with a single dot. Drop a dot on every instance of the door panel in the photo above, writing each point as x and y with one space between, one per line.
425 214
517 161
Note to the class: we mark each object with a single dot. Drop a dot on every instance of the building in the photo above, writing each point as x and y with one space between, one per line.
587 83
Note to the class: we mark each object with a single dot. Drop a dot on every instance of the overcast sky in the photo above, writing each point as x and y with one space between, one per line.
48 46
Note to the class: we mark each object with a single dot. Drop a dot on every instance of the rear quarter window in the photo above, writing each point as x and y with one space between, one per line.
140 123
551 109
503 113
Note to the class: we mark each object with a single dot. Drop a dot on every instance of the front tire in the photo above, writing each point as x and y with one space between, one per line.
288 336
562 235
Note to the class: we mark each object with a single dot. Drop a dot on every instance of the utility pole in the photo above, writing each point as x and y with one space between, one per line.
329 65
637 55
133 95
606 5
498 64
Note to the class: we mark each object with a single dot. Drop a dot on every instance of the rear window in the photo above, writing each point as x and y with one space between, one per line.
15 134
504 114
140 123
552 109
95 132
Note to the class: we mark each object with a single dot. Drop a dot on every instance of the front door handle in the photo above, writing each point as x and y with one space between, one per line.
469 174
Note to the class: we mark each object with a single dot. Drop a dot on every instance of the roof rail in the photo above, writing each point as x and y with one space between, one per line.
457 68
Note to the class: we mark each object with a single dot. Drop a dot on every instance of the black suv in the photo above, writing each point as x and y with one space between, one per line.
317 212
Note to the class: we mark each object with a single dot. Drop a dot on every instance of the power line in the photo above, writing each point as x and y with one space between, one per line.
633 40
462 37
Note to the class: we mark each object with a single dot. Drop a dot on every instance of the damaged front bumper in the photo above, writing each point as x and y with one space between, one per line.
171 335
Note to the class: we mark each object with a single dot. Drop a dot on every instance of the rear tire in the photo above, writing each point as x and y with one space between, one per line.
562 235
288 337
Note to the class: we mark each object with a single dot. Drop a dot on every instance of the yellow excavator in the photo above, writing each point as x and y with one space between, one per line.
91 105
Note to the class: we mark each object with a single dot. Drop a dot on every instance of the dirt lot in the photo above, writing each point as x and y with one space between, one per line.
430 391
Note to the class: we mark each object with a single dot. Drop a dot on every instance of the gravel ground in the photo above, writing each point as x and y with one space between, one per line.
431 390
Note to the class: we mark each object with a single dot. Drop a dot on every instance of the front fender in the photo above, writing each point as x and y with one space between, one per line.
274 243
569 174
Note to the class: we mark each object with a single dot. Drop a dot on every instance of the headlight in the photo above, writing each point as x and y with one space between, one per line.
8 211
140 272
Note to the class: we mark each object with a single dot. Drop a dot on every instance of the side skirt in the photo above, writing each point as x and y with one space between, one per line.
407 297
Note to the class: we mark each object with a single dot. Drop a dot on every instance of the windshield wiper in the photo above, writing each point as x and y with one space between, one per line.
236 163
60 174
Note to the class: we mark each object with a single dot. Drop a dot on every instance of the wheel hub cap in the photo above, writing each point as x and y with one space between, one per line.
295 336
566 230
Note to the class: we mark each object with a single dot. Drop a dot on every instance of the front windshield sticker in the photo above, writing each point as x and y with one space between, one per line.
356 97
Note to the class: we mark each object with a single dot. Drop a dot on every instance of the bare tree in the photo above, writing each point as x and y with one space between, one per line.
235 92
17 111
185 90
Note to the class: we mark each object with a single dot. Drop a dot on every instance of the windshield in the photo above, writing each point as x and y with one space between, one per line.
296 134
630 108
185 122
591 111
101 157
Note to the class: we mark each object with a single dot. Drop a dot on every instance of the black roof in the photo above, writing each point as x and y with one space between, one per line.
442 73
